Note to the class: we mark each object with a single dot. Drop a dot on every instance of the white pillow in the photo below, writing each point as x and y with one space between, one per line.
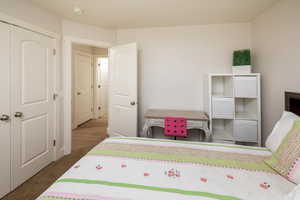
280 130
294 194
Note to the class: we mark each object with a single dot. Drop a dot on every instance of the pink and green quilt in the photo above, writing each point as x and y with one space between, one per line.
153 169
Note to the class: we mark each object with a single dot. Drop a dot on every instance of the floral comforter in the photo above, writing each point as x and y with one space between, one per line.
152 169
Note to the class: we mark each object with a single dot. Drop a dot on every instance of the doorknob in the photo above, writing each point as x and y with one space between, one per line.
132 103
78 93
4 118
19 114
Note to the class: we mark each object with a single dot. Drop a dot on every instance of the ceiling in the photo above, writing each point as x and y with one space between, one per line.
155 13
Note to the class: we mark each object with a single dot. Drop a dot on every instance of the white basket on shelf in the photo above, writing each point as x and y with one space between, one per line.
244 69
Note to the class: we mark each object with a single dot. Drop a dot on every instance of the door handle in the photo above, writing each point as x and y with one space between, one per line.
4 118
132 103
78 93
19 114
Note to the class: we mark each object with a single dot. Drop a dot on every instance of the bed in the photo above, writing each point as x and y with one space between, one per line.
147 169
139 168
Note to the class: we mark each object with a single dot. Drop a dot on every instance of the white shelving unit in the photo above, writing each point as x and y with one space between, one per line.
235 108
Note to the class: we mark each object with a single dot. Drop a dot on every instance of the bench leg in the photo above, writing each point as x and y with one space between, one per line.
150 133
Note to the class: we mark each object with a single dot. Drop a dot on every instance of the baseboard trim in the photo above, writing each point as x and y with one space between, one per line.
59 154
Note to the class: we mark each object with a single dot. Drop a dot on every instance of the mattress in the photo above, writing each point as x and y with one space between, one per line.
148 169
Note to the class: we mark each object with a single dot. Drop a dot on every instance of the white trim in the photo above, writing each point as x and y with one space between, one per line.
16 22
67 82
57 102
94 43
108 90
101 55
259 110
67 78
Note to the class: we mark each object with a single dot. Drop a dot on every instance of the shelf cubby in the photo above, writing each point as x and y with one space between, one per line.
222 129
222 86
245 86
245 109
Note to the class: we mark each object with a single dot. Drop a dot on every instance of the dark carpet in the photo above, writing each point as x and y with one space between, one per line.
84 139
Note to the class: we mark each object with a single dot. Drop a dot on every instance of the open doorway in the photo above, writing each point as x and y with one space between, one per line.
122 91
89 95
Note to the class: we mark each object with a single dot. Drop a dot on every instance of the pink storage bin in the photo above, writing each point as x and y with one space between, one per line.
175 126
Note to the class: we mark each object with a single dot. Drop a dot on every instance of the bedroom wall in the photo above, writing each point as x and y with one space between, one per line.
83 31
276 45
26 11
100 51
174 62
83 48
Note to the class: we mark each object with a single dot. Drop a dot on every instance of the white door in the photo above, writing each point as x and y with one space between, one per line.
123 91
97 95
102 86
83 89
4 110
32 103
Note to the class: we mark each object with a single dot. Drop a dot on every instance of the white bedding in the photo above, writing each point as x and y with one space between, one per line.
148 169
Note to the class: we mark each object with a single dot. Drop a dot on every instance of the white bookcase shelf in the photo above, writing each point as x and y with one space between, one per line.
222 86
246 108
235 108
223 129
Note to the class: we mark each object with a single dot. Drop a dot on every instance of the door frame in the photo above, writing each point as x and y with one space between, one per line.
58 153
67 83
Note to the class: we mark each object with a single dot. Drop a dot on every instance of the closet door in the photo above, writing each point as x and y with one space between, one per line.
4 110
32 103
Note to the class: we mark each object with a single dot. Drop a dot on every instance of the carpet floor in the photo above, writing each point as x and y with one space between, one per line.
84 138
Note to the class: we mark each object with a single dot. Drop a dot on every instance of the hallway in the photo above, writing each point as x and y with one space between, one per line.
84 138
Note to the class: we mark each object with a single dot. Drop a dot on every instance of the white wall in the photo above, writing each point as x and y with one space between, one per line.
100 51
83 31
173 62
25 10
90 49
276 44
83 48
